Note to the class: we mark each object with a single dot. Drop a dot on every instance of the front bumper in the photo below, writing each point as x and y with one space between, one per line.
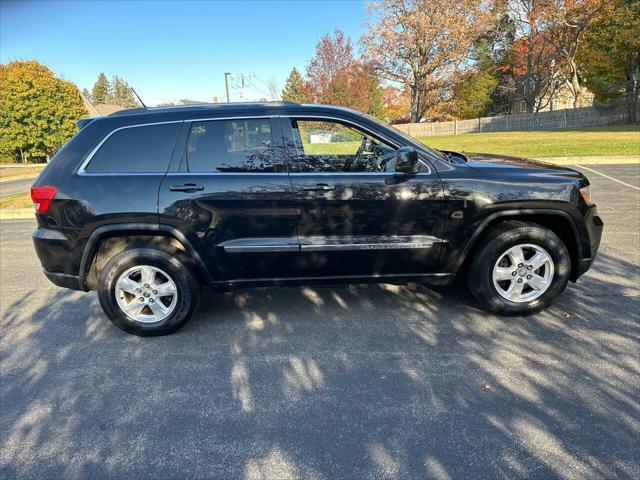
594 226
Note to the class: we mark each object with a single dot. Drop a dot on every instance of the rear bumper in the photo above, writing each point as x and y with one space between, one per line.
63 280
594 226
56 257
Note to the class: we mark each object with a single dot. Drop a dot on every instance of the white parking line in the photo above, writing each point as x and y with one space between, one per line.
607 176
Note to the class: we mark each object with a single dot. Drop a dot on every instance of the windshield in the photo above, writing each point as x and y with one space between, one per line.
432 151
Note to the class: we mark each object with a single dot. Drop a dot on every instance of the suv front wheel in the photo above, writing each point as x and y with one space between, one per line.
148 292
519 269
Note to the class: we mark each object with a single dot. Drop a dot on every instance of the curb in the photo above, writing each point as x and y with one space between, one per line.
593 160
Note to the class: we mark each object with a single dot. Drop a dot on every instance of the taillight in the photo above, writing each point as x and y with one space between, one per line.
42 196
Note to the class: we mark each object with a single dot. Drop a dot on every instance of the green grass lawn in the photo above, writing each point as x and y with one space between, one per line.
18 200
623 140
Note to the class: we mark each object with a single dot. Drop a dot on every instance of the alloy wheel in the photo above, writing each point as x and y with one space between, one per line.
523 273
146 294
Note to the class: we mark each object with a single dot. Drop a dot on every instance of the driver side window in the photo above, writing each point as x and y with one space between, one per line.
330 146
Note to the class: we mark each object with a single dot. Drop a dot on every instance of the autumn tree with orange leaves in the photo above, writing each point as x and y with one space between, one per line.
327 72
568 23
420 43
442 59
532 59
544 57
335 77
532 64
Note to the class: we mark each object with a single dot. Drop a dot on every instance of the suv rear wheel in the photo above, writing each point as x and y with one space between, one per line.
519 269
148 292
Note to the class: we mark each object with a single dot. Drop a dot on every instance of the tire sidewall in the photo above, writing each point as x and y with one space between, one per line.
485 290
174 268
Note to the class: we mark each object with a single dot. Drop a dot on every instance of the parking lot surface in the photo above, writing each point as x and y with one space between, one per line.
356 381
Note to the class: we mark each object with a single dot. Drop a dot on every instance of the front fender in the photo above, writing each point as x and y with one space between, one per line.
459 247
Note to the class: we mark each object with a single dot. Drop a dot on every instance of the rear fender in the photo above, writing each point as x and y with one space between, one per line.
131 229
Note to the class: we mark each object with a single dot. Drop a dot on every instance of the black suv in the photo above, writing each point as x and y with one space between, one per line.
146 206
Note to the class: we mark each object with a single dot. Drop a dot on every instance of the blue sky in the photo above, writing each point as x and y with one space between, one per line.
170 50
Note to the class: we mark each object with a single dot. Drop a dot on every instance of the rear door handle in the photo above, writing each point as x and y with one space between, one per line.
187 187
320 187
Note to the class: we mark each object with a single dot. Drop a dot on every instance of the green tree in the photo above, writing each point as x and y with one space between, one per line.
102 90
375 106
473 91
610 55
86 94
122 93
293 90
37 111
472 94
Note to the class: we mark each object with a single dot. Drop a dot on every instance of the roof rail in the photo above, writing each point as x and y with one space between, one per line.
223 105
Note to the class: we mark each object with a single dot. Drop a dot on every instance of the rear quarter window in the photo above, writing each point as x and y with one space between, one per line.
144 149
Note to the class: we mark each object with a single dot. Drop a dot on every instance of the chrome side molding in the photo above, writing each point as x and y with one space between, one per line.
328 243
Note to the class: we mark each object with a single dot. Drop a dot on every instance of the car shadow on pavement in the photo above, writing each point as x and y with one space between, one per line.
356 381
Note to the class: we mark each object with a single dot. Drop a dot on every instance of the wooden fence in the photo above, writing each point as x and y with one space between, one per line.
567 118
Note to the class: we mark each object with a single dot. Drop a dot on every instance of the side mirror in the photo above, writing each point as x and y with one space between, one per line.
407 160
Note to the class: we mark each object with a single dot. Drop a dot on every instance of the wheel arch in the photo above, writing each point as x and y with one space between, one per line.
558 221
108 239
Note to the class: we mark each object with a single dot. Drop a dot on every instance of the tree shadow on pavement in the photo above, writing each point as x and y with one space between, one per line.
355 381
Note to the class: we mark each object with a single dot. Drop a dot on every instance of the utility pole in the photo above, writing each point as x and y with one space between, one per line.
238 81
226 84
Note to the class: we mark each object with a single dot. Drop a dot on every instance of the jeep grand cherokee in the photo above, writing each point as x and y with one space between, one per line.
148 205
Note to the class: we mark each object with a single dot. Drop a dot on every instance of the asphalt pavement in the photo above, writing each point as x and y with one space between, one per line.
15 186
357 381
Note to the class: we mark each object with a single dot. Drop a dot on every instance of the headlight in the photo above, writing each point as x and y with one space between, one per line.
586 194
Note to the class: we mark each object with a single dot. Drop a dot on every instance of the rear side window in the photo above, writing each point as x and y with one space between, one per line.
145 149
229 146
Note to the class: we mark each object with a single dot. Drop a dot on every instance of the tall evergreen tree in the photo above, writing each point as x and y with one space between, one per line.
293 90
122 94
374 95
101 92
86 94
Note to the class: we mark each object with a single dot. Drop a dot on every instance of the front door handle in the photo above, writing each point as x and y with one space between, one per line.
320 187
187 187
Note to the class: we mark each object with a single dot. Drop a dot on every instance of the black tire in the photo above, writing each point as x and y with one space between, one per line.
494 243
174 265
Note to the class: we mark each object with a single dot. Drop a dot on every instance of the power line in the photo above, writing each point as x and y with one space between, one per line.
237 82
266 84
263 82
259 90
251 84
242 81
